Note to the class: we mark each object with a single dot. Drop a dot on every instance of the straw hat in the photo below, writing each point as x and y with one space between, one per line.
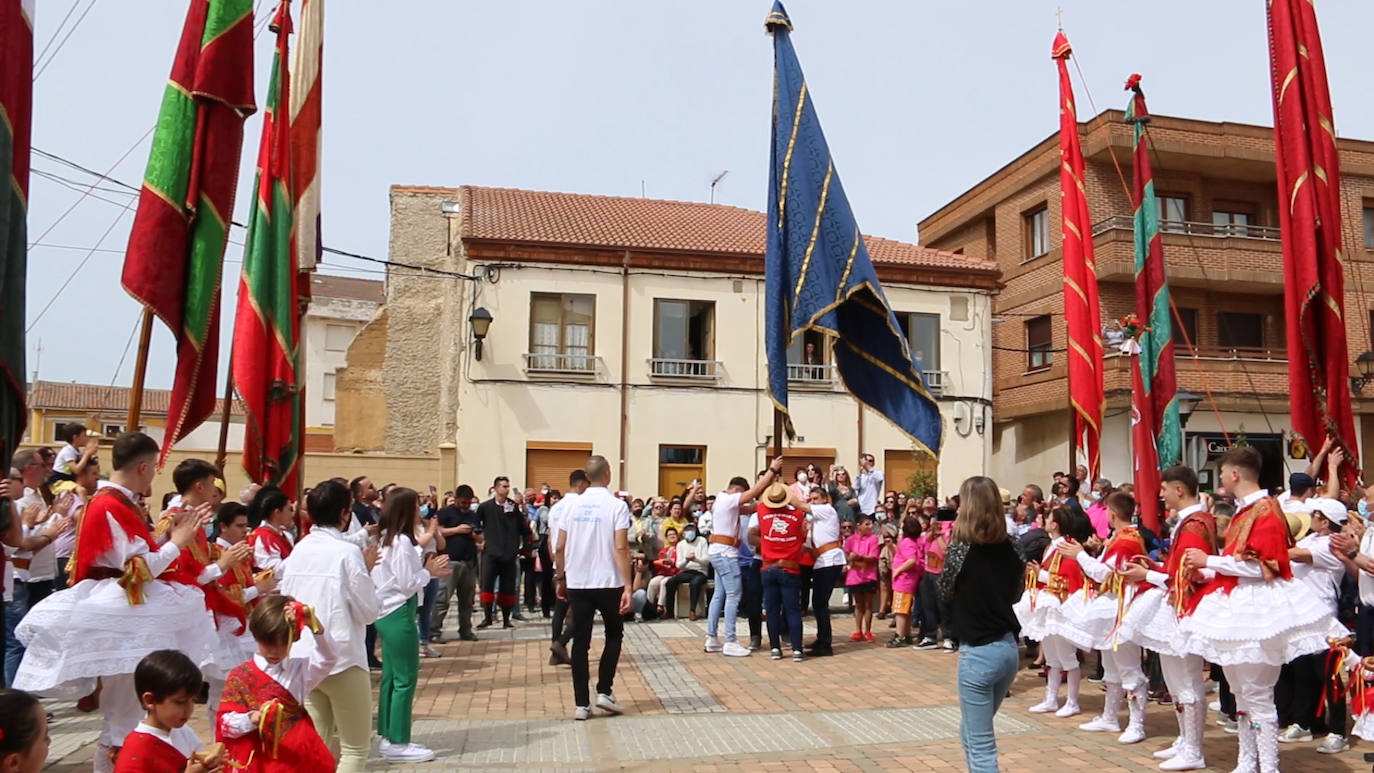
776 495
1006 495
1299 523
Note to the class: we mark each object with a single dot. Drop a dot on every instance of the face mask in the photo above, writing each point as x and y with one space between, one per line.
801 477
1362 508
690 536
473 507
424 511
1095 496
881 516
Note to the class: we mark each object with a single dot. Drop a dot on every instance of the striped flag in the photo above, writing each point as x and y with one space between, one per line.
16 110
266 326
176 247
1081 311
1158 434
306 96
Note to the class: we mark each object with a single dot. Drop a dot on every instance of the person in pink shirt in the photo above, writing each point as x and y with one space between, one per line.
1097 509
861 580
908 563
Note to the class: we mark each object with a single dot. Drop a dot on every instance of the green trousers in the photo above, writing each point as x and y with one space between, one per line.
400 671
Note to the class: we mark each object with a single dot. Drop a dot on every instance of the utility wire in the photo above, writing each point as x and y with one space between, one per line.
65 38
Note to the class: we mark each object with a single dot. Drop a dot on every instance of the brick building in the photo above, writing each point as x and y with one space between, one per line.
1218 202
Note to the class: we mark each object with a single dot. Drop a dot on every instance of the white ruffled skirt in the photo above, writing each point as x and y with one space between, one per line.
1364 726
91 630
1150 622
1040 616
1091 621
1259 621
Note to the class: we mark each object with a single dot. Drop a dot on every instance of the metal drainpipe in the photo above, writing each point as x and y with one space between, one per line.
624 364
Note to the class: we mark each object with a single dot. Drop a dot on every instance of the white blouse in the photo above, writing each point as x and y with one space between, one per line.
399 574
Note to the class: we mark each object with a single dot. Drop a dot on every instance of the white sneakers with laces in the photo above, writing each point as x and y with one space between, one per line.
409 752
607 704
712 644
734 649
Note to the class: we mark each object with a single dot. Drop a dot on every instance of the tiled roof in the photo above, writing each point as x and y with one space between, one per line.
332 286
102 398
508 214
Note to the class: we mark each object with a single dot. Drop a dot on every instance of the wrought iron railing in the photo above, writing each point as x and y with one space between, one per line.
539 362
1191 228
810 374
663 367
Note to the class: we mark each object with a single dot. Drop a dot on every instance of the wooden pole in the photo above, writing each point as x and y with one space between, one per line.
777 435
140 370
1073 443
222 455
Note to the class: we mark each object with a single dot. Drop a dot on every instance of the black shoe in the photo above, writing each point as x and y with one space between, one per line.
203 697
374 664
467 636
484 624
507 624
820 652
559 656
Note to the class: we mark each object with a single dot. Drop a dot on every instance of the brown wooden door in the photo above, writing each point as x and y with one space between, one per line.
552 465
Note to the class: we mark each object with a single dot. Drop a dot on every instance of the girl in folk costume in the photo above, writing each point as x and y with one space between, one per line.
119 607
270 516
1151 621
262 719
238 591
1100 618
1049 584
1251 617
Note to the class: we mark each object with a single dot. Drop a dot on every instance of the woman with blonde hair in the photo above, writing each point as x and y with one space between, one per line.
981 580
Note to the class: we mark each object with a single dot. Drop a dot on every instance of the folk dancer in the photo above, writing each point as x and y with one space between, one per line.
1049 583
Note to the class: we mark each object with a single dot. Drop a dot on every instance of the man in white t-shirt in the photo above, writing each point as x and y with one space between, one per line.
870 485
593 575
724 557
562 633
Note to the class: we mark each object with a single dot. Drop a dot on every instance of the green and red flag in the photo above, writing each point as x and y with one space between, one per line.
1081 312
16 110
176 248
1309 187
267 326
1157 435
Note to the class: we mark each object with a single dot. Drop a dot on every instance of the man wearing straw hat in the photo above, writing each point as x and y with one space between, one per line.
778 530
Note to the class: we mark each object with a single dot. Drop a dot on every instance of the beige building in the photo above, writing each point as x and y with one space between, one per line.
340 306
633 328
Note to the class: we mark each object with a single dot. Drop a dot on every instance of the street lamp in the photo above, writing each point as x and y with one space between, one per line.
1187 401
1365 364
481 323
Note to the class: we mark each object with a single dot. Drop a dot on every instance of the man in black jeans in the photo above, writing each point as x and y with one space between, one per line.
562 633
459 526
505 531
593 560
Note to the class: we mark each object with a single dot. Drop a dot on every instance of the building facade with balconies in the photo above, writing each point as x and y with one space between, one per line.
1218 206
634 328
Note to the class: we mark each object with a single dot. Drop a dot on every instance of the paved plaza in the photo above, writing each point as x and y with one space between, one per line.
495 705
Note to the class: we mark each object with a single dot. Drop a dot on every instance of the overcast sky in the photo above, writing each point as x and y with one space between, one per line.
919 101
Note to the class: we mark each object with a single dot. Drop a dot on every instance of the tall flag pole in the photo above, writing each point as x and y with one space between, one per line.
176 248
1157 439
1309 191
306 124
1081 311
266 325
818 275
16 112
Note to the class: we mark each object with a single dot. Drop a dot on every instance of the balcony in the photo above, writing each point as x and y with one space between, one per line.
1189 228
818 376
548 364
1243 258
691 370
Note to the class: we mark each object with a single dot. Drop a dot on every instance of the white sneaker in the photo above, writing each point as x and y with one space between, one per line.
411 752
582 714
712 644
384 747
1044 707
1132 735
735 650
1214 706
607 704
948 645
1170 751
1295 734
1101 724
1333 744
1067 710
427 651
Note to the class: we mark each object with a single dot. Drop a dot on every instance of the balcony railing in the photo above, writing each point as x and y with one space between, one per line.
1249 354
580 364
702 370
1127 223
810 374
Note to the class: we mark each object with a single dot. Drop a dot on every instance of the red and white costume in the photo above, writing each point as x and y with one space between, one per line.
1099 618
150 750
1041 613
1252 617
230 598
119 609
271 546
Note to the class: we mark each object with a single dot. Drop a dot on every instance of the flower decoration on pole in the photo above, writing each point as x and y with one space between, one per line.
1132 329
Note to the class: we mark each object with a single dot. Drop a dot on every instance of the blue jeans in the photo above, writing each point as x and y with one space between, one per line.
727 578
427 608
782 595
26 595
985 674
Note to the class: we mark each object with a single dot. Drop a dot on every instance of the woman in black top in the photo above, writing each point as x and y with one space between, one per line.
982 578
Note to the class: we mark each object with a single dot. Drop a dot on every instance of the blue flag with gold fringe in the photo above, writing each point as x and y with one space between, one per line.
818 275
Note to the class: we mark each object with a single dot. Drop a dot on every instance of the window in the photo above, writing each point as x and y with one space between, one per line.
1173 213
958 308
562 331
1039 342
337 338
1369 226
807 357
1189 318
923 338
327 392
1237 330
111 430
1230 223
684 338
1037 225
681 454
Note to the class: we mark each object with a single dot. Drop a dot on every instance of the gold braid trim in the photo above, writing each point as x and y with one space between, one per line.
136 575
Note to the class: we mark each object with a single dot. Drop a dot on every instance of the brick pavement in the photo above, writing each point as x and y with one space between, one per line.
495 705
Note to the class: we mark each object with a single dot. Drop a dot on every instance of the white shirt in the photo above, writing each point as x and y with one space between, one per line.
825 527
1246 570
299 675
42 562
123 547
1366 579
870 485
725 522
183 738
398 575
264 557
693 556
327 572
1323 575
249 593
69 454
589 554
556 515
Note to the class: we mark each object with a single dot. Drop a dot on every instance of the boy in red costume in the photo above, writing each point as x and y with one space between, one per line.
262 719
1251 617
167 682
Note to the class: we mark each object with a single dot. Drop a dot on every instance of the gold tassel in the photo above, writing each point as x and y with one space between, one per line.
136 575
